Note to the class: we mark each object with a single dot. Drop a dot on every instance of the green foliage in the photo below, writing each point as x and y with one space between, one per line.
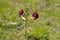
49 20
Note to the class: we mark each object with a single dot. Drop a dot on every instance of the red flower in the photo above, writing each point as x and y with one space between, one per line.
35 15
21 13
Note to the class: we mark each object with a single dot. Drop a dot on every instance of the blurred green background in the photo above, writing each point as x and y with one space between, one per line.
48 21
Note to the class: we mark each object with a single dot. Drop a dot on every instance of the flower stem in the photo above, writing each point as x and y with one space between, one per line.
26 30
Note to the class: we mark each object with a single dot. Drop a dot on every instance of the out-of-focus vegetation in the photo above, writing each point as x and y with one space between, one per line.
47 25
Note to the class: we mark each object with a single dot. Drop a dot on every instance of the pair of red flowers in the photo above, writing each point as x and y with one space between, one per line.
34 15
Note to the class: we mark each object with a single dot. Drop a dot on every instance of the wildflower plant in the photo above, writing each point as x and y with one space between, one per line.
28 34
25 18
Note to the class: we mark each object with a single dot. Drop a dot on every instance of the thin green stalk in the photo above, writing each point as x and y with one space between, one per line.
26 30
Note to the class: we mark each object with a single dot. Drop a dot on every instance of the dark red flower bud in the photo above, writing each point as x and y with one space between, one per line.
21 13
35 15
